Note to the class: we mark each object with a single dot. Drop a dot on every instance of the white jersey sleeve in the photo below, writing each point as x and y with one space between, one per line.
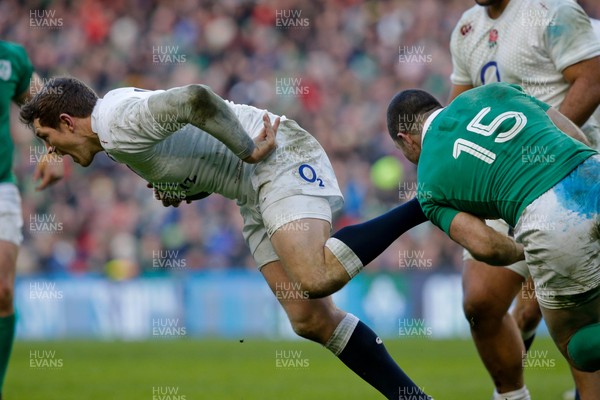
460 70
124 123
569 36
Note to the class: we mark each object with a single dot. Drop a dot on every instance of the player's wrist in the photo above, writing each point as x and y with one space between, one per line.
246 154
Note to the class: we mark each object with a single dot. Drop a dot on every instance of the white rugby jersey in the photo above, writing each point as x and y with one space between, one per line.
182 160
530 44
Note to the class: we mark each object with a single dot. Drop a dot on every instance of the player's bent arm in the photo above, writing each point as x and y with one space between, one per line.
456 90
46 172
483 242
200 106
567 126
583 96
35 86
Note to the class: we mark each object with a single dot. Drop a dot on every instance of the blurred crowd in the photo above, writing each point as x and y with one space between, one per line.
330 65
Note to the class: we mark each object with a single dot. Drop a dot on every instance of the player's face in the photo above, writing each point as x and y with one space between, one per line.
407 147
64 141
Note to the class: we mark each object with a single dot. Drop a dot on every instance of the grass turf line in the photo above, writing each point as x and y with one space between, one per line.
231 370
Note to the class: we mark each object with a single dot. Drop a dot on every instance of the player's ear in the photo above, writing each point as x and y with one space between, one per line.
67 120
403 138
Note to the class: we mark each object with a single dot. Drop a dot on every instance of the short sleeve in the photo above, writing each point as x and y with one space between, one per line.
440 216
569 36
24 72
460 74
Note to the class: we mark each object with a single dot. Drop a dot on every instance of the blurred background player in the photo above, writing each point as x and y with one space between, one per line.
472 135
191 137
549 48
18 83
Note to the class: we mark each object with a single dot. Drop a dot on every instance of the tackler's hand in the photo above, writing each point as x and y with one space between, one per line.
265 142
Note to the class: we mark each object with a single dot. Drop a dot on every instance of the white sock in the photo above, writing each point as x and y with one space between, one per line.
521 394
345 256
337 342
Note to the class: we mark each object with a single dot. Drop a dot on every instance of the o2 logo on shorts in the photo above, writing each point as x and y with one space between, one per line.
309 174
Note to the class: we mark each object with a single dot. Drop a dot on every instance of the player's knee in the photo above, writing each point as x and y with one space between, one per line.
528 317
584 348
6 296
479 308
309 327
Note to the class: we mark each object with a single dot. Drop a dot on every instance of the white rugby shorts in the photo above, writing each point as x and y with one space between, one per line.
499 225
296 182
11 216
560 231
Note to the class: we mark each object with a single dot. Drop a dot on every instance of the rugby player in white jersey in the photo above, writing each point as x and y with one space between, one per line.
192 137
549 48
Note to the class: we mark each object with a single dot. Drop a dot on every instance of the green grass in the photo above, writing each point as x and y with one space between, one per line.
221 369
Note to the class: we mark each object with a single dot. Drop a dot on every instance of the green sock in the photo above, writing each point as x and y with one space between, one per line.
7 334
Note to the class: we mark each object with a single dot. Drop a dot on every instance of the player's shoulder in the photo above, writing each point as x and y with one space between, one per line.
12 51
552 9
126 95
491 94
596 26
472 22
472 13
555 5
469 18
495 89
130 92
11 47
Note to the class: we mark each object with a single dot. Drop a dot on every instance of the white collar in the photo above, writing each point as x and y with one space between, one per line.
428 122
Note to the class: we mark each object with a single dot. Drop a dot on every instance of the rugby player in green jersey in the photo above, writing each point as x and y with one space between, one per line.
496 152
18 83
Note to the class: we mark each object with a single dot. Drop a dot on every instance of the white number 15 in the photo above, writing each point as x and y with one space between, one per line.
463 145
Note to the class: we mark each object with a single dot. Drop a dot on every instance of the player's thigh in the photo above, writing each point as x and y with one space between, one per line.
320 314
299 226
11 224
302 249
564 322
488 288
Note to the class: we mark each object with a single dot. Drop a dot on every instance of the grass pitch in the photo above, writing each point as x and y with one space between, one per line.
254 370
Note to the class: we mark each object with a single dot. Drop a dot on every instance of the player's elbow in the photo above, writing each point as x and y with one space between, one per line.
198 96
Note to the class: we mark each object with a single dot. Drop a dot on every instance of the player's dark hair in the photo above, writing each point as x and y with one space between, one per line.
405 106
59 95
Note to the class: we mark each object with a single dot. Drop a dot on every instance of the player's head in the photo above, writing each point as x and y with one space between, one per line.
406 115
58 113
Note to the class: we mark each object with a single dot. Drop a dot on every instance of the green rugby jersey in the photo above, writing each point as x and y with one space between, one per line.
15 75
490 153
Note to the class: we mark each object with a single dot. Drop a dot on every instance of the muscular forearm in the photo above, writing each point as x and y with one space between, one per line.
483 242
502 251
201 107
